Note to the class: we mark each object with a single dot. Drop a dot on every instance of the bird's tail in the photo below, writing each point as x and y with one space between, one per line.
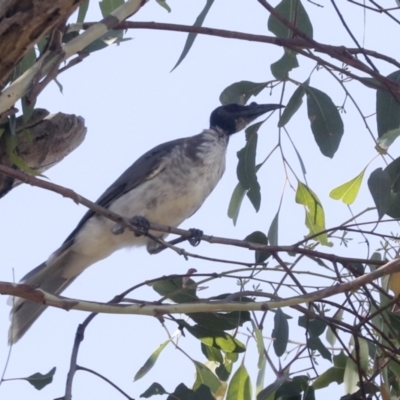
50 277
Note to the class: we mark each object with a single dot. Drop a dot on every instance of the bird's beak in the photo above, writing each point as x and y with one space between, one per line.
249 113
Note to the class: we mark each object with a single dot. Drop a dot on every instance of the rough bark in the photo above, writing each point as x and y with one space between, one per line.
43 141
23 23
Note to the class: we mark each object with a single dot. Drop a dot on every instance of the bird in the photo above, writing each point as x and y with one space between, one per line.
166 185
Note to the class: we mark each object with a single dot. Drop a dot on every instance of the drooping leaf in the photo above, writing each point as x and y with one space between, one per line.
293 387
204 376
108 6
182 392
150 362
192 36
154 389
221 321
293 104
379 185
393 169
315 216
39 381
164 5
246 171
240 92
280 333
347 192
315 327
326 122
240 386
215 338
294 12
387 114
269 392
211 353
351 377
82 11
273 230
260 238
333 374
236 202
224 370
174 289
330 335
386 140
315 343
24 64
280 69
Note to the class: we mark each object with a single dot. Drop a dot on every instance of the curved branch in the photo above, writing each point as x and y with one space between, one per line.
158 310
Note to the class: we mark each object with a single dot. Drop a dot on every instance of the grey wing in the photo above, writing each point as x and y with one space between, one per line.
141 170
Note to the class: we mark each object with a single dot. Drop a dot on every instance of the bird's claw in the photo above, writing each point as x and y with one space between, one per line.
195 238
141 223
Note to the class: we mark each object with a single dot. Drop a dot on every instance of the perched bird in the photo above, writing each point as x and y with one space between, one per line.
166 185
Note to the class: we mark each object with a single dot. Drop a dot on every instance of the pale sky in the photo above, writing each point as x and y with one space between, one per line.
131 102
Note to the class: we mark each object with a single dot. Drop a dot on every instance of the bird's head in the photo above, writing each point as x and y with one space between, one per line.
232 118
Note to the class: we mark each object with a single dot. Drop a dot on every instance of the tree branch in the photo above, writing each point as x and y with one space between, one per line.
157 310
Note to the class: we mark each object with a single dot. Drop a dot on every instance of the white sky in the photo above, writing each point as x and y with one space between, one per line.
131 102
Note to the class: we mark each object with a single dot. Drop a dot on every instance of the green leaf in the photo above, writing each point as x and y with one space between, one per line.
240 92
280 333
192 36
347 192
280 69
293 387
273 230
326 122
240 386
82 11
379 185
164 5
236 202
330 335
315 343
24 64
293 104
212 354
150 362
173 289
387 114
221 321
182 392
108 6
269 392
206 377
315 216
294 12
260 238
386 140
351 377
315 327
246 170
154 389
39 381
215 338
393 169
333 374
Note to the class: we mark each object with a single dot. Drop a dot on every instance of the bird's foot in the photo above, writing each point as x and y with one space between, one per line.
141 223
195 239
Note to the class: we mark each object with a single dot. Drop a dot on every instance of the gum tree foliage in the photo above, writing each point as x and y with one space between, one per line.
356 332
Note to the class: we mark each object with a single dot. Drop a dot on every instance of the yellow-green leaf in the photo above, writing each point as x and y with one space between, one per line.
315 216
349 190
